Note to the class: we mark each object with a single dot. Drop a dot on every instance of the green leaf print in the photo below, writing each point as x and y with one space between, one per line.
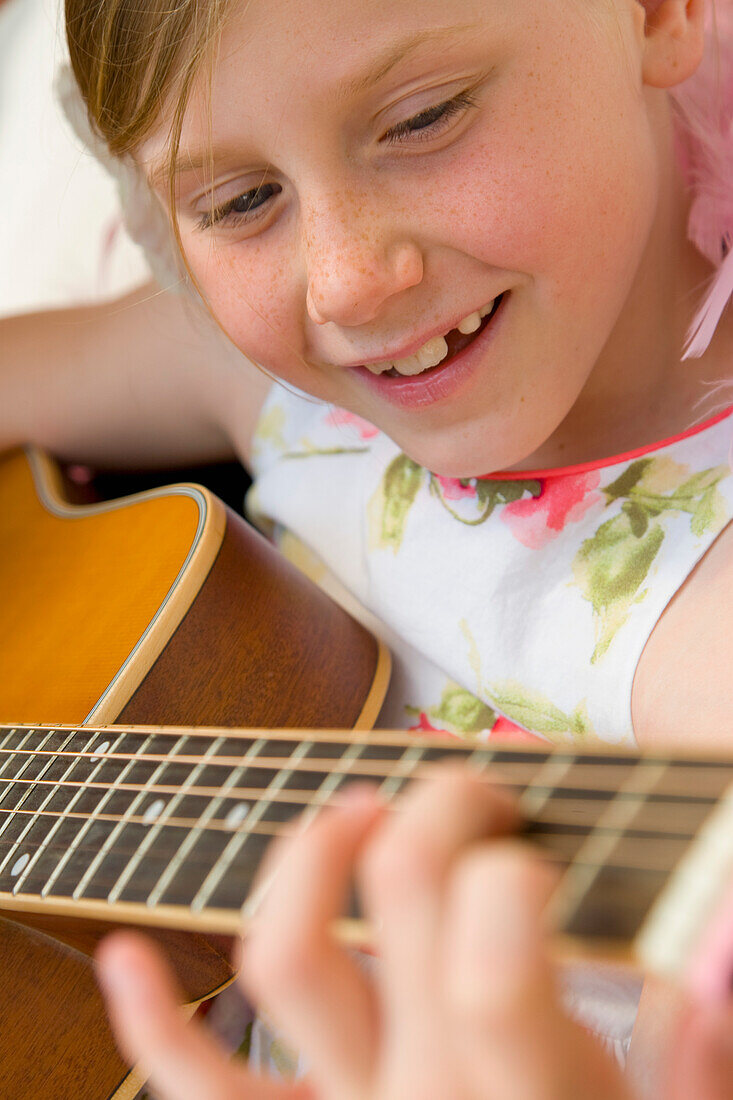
489 495
539 714
710 514
623 485
459 711
611 567
638 517
311 451
391 503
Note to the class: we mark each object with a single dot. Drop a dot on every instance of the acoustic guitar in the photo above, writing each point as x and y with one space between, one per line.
162 607
107 819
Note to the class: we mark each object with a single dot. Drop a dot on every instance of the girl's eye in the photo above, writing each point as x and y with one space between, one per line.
241 208
431 120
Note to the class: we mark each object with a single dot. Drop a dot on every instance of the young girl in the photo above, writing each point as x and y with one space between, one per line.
465 234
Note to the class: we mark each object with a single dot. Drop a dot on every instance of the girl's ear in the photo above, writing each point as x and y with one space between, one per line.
674 40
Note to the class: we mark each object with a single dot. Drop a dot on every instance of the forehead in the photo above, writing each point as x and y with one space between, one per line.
282 59
344 45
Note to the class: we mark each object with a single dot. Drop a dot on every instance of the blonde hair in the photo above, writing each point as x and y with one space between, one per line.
131 60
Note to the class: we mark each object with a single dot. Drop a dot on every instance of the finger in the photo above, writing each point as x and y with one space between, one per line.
403 876
702 1061
500 997
309 984
181 1059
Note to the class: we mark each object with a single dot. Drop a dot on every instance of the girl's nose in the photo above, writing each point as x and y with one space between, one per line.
353 271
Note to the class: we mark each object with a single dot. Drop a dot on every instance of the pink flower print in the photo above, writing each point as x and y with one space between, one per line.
340 418
453 488
535 521
424 725
506 730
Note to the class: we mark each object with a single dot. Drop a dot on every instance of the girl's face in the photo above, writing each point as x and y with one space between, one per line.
382 173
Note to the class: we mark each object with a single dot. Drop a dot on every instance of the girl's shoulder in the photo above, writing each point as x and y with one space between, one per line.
681 693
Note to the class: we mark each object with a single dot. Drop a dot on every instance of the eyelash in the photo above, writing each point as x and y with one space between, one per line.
430 121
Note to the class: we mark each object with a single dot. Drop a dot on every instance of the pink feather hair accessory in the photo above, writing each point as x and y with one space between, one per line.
703 107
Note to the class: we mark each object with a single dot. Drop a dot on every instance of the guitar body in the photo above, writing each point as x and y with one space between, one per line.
163 608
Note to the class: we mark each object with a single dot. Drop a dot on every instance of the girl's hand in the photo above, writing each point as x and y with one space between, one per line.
463 1006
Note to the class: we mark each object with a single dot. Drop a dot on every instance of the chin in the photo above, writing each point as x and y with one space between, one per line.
459 459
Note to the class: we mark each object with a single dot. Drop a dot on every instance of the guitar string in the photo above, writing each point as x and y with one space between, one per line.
661 800
390 737
648 801
311 765
390 770
377 769
397 739
559 859
272 829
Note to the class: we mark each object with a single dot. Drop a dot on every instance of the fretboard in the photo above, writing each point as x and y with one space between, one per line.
170 825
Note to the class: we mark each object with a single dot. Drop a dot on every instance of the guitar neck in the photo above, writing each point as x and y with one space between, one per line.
168 826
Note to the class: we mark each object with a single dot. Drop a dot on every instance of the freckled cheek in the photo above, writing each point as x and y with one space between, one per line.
253 301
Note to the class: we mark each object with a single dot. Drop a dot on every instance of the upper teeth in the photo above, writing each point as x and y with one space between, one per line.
434 351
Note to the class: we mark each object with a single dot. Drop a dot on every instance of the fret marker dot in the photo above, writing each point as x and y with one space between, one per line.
154 810
19 865
104 747
237 815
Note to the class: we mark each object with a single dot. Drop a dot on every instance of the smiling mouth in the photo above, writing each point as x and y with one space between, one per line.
439 351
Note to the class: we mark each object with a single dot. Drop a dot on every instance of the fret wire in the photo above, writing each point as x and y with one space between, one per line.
393 783
715 772
224 860
69 813
164 819
29 733
320 797
8 737
124 819
540 789
331 783
598 847
44 845
133 862
26 795
103 802
202 823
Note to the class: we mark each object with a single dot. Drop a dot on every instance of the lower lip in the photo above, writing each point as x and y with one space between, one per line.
440 383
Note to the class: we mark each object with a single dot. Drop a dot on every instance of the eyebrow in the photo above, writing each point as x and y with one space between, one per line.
396 53
377 71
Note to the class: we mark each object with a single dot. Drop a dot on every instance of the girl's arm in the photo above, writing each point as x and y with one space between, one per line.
146 380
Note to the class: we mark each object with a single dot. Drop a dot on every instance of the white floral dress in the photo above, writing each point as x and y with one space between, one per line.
515 604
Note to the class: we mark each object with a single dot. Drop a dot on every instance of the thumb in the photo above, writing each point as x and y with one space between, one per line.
182 1060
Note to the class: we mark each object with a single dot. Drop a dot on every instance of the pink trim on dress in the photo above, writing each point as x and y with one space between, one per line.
586 467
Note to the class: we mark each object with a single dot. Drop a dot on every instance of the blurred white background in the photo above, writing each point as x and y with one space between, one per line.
60 236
